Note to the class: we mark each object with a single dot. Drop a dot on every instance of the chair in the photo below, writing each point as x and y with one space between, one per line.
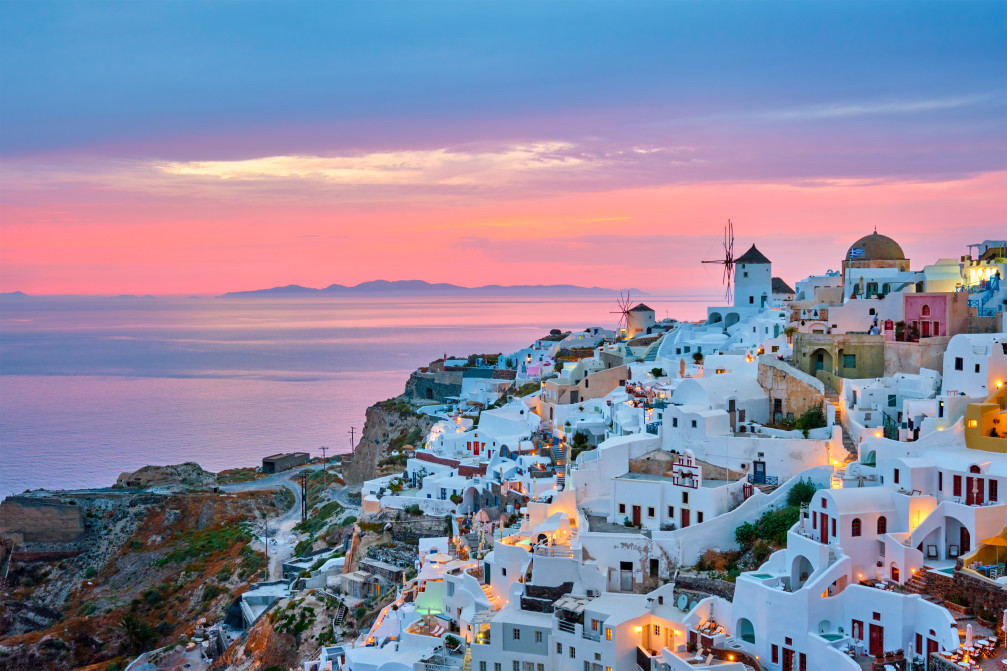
953 551
931 552
683 602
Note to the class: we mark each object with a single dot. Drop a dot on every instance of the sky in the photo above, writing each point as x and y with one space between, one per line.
178 147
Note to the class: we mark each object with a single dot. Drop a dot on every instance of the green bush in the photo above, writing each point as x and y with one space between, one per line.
414 510
90 572
802 492
761 551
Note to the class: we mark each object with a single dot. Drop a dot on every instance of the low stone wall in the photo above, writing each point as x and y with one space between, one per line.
41 520
704 587
975 593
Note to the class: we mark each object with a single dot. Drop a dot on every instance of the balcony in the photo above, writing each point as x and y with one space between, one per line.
591 635
567 627
754 479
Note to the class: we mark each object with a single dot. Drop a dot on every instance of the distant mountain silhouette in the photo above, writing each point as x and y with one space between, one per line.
412 287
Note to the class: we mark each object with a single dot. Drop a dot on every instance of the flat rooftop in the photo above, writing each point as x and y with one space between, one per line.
650 477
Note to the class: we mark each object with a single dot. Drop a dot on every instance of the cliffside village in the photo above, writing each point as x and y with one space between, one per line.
812 478
592 478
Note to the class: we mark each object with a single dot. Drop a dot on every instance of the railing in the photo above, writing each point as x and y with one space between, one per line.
754 479
890 427
591 635
567 627
654 428
642 659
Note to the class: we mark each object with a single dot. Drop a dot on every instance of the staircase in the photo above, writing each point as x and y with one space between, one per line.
832 398
467 666
340 616
916 585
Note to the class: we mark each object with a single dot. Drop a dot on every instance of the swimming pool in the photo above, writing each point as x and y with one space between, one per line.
832 636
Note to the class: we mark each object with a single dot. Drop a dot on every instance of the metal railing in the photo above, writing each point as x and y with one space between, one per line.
754 479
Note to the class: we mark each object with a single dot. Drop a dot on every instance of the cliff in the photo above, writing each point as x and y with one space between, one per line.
189 474
41 520
389 425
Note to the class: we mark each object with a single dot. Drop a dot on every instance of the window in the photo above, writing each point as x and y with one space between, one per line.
608 633
496 666
671 511
657 630
959 363
940 481
833 527
877 617
685 497
994 495
855 527
573 652
776 654
650 512
849 361
925 311
594 624
694 424
559 648
587 665
674 421
957 488
517 634
538 636
744 274
895 476
699 517
503 571
751 299
825 503
540 667
882 524
622 508
482 666
517 665
891 400
977 368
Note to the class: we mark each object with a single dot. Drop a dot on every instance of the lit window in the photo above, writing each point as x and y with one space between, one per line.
608 633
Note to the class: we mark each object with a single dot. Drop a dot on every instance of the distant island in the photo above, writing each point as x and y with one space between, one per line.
413 287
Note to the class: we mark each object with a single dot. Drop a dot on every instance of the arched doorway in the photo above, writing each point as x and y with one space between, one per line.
715 317
731 319
800 571
821 359
746 631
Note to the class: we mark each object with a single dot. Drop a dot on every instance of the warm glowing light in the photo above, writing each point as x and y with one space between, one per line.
638 629
999 383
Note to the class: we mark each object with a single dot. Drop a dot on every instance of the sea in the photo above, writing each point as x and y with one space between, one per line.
93 387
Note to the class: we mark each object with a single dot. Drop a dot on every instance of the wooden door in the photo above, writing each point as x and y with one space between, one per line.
980 491
685 517
969 495
636 516
858 630
931 647
877 640
964 542
788 659
823 524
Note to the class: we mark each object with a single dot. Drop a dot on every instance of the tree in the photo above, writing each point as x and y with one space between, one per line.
697 357
789 332
138 634
580 439
657 372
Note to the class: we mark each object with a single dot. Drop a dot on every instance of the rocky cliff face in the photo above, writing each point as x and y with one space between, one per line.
389 425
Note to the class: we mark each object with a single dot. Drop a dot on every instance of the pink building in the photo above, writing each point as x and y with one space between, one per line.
937 314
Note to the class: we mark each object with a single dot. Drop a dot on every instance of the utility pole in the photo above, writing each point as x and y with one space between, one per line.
304 497
325 470
353 442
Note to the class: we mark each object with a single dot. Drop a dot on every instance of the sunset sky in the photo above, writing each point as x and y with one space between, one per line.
174 147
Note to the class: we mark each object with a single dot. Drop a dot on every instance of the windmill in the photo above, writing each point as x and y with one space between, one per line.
728 259
623 302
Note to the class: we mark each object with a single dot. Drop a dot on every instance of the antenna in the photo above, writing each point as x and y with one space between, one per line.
728 260
623 302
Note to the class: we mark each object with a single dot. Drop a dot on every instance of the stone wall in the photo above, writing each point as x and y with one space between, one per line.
909 357
704 587
797 391
41 520
972 592
434 386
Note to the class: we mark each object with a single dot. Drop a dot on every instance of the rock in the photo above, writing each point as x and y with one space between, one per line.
189 474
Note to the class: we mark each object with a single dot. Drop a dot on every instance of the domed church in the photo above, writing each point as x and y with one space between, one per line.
875 251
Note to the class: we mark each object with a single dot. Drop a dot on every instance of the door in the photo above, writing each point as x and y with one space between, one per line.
980 491
819 361
877 640
759 472
823 524
925 330
965 541
655 568
685 517
969 494
788 659
931 648
636 516
858 630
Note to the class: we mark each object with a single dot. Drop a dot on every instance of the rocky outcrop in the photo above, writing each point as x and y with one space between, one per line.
189 474
37 520
387 422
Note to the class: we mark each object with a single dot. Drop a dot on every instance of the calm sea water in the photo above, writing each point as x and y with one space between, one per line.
92 387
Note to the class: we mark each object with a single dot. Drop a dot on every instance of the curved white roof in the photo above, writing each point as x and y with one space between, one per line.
860 500
713 391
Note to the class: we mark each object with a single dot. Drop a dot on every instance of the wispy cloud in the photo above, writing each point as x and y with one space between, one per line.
874 108
453 167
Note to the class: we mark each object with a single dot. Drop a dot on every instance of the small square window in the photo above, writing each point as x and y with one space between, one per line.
622 508
694 424
538 636
959 363
877 616
671 511
517 634
849 361
573 652
517 665
650 512
685 497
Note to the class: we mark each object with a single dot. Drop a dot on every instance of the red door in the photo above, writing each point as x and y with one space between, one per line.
969 496
980 491
877 641
965 541
788 660
823 524
931 648
685 517
858 630
636 516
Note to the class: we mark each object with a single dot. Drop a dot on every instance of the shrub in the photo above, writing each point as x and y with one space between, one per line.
761 551
657 372
802 492
90 572
414 510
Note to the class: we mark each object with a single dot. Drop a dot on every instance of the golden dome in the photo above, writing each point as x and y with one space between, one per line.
875 247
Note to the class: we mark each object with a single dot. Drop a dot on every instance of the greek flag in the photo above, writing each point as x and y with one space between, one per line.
855 252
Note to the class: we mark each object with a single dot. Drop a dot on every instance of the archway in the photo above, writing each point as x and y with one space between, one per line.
824 627
715 317
731 319
821 359
800 571
869 459
746 631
